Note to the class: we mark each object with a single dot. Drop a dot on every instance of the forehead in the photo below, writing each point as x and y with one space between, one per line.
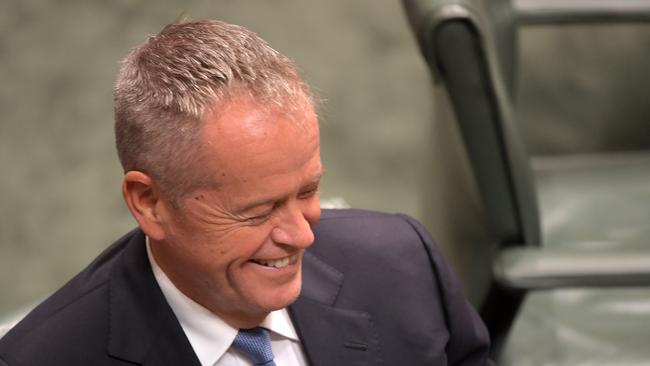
244 139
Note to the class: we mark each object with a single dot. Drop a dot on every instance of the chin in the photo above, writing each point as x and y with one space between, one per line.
280 298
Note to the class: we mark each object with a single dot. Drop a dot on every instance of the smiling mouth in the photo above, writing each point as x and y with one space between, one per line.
276 263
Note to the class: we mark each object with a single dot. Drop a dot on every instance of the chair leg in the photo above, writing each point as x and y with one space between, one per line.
499 311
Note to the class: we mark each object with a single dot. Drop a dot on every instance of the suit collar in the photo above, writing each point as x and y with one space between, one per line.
140 320
320 281
331 335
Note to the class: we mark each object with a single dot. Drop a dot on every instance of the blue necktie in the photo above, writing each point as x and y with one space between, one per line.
256 344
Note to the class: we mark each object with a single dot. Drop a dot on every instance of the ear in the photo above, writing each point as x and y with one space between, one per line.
144 202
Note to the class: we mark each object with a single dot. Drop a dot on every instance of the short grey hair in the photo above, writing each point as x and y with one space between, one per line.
166 86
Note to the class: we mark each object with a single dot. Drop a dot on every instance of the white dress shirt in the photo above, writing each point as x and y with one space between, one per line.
211 337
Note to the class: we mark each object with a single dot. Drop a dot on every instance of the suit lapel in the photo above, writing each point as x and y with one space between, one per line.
142 326
330 335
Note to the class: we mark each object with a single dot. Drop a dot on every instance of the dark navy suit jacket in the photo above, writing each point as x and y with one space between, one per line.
376 291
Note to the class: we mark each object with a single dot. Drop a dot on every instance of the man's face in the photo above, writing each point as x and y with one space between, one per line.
237 249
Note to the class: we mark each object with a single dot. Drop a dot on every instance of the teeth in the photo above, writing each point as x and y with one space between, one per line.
279 263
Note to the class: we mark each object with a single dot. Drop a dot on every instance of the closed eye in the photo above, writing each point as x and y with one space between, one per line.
259 219
260 214
309 192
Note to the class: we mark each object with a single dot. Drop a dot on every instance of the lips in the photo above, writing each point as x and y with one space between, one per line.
276 263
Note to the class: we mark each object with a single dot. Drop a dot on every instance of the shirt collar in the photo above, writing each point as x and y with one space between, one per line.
208 334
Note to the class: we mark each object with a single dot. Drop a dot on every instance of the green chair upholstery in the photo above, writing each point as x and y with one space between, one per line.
569 237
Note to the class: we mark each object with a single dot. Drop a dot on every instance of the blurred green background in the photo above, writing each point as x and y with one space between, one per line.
60 200
60 187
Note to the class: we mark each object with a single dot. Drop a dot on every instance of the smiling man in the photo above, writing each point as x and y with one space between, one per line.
249 234
230 265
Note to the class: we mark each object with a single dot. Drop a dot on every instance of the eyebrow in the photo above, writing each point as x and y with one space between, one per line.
315 181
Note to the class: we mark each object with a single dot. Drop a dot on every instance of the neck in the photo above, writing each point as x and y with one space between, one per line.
242 321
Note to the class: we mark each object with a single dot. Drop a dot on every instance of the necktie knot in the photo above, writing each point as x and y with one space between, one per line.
256 344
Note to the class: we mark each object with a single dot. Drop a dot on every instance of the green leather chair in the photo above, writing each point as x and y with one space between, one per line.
568 255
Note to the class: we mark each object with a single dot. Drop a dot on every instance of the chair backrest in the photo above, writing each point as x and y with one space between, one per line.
470 48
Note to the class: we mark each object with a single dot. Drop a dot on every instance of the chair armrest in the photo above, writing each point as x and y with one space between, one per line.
581 11
534 268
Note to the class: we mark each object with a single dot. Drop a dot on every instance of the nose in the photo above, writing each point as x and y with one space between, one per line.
295 225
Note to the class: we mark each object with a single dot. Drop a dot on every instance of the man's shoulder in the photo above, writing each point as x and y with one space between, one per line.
387 264
76 314
344 226
369 241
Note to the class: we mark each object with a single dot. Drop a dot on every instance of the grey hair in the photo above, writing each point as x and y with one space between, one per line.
166 87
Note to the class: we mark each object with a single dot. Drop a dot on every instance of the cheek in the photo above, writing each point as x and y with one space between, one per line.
233 249
198 252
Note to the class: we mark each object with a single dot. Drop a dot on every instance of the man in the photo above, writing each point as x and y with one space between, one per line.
219 142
